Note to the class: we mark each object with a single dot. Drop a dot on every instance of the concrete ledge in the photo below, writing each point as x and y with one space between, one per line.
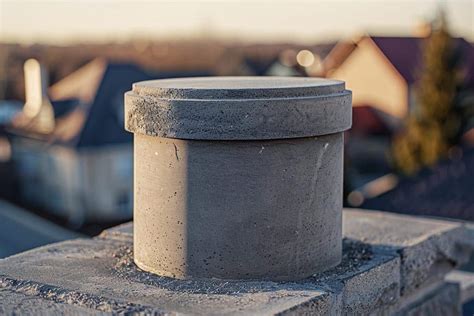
238 108
100 274
120 232
94 276
17 303
428 248
365 281
442 299
466 282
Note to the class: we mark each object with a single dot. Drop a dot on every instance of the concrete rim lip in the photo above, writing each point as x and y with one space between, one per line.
238 108
222 88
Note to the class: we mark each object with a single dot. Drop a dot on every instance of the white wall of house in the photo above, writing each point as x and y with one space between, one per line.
107 181
92 184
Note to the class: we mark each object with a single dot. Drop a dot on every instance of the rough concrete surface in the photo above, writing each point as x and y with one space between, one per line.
98 275
254 157
466 282
365 281
17 303
442 300
238 108
428 248
238 209
120 232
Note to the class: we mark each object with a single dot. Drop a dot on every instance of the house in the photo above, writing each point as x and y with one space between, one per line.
8 109
381 71
82 169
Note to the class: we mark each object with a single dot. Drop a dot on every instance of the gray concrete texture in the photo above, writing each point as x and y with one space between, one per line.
466 282
428 248
238 108
98 276
244 180
442 299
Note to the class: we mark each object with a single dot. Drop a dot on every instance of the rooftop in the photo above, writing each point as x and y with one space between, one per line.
425 193
391 264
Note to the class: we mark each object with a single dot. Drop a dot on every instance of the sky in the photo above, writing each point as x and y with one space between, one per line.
66 21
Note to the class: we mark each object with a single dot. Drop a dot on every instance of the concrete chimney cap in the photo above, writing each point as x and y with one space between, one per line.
238 108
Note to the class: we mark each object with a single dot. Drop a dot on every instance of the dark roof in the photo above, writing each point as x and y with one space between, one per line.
64 107
88 104
405 54
104 121
445 191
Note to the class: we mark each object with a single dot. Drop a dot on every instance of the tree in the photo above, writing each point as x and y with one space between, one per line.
433 127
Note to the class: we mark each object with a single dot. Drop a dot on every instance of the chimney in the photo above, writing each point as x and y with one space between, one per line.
238 177
37 107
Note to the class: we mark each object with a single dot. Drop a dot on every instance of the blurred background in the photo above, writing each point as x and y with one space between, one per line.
66 161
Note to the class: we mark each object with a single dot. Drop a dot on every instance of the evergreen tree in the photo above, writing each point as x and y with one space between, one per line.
434 125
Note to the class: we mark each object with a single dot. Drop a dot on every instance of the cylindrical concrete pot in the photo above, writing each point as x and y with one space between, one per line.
238 177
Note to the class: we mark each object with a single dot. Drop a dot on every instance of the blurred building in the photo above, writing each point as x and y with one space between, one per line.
82 168
366 146
381 71
9 186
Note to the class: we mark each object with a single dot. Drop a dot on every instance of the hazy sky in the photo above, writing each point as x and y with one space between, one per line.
62 21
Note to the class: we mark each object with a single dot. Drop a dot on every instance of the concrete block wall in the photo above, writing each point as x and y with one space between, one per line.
392 265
